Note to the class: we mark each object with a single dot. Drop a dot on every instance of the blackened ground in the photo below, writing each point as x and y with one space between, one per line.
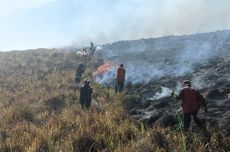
212 80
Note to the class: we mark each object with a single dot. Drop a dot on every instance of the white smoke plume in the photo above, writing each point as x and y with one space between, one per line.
198 82
134 19
148 59
164 93
140 72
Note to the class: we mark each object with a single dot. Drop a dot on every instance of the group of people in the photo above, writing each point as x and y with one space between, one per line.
86 91
191 99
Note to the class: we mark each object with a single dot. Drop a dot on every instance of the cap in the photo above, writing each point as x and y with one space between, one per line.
187 83
86 80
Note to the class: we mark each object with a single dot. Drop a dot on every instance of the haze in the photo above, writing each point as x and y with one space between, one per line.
27 24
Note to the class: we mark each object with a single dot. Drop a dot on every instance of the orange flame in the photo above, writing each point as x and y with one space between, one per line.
103 68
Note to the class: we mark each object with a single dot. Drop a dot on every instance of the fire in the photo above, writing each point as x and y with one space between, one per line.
103 69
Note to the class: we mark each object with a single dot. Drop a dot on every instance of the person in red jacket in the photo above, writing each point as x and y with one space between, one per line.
191 101
120 81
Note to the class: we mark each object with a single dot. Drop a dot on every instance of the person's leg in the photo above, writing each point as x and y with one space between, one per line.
187 119
121 86
87 105
82 105
116 87
77 79
196 119
201 126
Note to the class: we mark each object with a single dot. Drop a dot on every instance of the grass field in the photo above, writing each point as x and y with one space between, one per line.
40 112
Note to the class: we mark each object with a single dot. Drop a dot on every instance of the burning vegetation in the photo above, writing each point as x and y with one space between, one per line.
105 74
40 108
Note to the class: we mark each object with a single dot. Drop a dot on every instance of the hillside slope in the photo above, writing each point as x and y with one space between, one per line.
173 55
157 66
39 106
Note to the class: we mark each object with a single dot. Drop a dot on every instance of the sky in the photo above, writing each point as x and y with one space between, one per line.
29 24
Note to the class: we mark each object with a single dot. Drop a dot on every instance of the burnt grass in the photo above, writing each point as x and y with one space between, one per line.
213 83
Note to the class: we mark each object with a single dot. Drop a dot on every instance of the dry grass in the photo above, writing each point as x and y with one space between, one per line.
40 112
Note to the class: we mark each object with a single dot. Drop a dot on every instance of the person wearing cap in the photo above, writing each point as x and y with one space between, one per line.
85 95
79 71
191 100
120 81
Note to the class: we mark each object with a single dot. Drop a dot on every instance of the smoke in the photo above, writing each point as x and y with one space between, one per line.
107 78
78 22
140 72
135 73
10 6
148 59
133 19
105 74
198 82
178 87
164 93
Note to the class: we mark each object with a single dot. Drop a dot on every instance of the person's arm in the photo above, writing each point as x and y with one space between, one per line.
91 90
180 96
81 94
124 74
202 101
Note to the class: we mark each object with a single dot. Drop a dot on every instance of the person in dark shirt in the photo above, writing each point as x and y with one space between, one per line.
79 71
86 95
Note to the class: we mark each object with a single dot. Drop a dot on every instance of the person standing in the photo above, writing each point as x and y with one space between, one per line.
120 81
86 95
191 100
79 71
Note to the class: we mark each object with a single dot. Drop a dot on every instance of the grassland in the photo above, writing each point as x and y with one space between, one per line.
40 112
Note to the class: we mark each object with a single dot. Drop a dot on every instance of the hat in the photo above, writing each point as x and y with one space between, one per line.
187 83
86 80
121 65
